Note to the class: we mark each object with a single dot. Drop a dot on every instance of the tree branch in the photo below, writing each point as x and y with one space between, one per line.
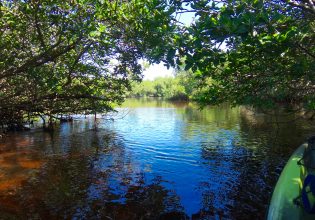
47 56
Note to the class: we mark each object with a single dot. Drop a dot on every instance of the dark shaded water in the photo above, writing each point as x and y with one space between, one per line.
156 160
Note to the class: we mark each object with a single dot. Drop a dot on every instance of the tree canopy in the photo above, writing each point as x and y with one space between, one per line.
64 57
256 52
79 56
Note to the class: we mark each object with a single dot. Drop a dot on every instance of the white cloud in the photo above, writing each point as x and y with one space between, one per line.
157 70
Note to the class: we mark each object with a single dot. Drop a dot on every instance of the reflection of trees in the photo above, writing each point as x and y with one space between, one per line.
95 179
244 167
280 133
267 148
147 102
17 161
91 175
207 120
219 158
141 201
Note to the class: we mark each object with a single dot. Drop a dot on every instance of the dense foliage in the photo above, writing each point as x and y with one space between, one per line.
257 52
65 57
182 87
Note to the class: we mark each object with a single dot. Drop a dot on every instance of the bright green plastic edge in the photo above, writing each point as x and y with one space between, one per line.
287 189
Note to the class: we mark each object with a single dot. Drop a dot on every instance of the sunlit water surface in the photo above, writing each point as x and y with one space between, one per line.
155 160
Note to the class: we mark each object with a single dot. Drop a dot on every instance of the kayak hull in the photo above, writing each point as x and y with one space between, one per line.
287 189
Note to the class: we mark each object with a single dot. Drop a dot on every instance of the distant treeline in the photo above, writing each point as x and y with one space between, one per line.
180 87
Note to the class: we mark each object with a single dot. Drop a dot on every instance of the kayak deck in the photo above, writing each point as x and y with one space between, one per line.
287 189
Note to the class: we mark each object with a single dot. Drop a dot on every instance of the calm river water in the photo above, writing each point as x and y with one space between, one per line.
155 160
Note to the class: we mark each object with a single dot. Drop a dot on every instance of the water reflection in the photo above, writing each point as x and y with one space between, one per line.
91 177
160 161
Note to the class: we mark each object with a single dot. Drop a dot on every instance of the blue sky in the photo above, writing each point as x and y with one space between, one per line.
159 70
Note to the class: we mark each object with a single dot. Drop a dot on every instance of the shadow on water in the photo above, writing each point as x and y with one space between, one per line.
251 161
90 177
160 161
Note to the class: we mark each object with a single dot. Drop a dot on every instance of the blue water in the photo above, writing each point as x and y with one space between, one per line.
155 140
150 160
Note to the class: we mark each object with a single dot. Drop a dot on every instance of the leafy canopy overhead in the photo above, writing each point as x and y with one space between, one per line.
257 52
63 57
79 56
